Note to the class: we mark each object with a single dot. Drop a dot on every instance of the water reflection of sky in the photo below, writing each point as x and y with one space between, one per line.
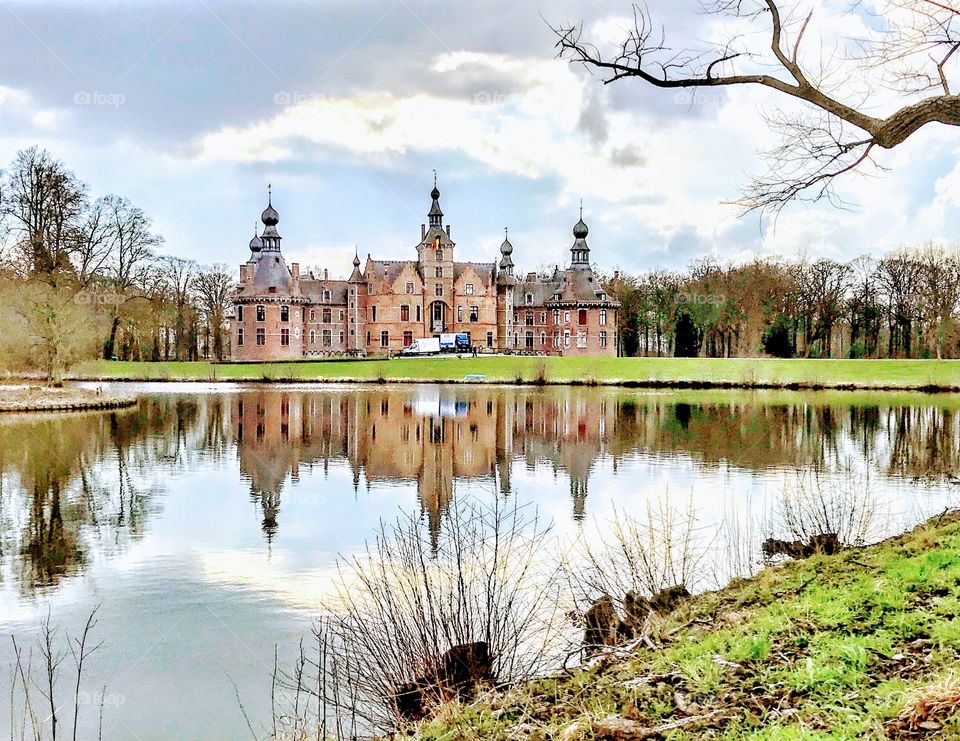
220 542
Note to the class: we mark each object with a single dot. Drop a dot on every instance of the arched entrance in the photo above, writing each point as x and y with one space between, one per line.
438 317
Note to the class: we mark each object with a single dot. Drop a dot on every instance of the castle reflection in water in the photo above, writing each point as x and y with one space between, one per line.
431 436
436 436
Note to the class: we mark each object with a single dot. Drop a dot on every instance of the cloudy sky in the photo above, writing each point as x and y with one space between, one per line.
347 107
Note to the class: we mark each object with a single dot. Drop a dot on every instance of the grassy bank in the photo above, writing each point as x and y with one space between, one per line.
865 644
748 373
31 398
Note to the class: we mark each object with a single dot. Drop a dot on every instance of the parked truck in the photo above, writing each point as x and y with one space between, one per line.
423 346
459 342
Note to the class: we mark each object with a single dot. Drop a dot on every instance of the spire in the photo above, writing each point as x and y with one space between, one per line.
580 252
270 219
506 262
436 215
356 276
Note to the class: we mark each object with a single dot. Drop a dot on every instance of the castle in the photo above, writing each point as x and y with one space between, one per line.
283 315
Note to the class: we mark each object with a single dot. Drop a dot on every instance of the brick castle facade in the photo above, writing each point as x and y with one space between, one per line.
283 315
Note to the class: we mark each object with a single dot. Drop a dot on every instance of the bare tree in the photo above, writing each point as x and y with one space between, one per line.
214 286
132 242
913 54
178 278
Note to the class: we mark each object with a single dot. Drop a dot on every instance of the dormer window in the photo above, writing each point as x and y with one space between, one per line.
529 298
326 297
469 289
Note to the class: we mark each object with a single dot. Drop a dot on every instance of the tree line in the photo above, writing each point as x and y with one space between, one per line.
84 277
905 304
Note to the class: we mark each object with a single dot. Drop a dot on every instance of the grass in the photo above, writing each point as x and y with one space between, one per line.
875 374
862 645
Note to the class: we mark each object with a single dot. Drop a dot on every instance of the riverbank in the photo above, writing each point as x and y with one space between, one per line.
35 398
879 375
864 644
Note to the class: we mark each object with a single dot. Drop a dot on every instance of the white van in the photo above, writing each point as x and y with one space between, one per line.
423 346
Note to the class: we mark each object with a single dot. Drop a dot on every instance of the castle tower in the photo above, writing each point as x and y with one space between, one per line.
435 259
505 285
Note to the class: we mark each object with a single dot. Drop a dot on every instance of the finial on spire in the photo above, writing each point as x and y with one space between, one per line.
269 194
581 209
434 178
506 232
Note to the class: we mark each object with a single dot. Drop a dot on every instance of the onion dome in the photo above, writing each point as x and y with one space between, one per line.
256 244
580 230
506 248
270 217
580 252
435 216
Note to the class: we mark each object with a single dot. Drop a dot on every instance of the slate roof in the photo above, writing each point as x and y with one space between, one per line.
486 270
313 289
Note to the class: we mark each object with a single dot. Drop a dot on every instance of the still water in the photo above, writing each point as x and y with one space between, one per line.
205 522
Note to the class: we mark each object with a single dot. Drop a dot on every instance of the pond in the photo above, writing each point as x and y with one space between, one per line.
205 522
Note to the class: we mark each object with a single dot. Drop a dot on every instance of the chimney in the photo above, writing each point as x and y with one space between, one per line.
531 277
423 231
295 269
448 230
325 274
243 273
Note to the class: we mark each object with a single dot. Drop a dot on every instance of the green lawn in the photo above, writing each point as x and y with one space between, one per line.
902 374
862 645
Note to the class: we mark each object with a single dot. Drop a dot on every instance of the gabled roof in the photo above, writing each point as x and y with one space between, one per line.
313 289
486 270
388 270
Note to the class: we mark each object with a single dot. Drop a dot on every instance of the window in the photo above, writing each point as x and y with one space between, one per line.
327 337
285 337
284 313
407 339
603 317
528 319
543 317
341 315
240 313
410 288
261 337
529 298
439 290
261 313
566 317
459 313
313 336
556 339
582 318
438 312
313 315
603 339
418 312
468 289
566 338
529 340
490 339
340 337
326 297
368 338
474 313
327 316
439 272
516 317
543 338
581 339
439 255
373 315
556 316
240 337
404 314
384 339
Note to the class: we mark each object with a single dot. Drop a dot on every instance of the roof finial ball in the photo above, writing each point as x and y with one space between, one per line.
435 193
580 229
270 217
